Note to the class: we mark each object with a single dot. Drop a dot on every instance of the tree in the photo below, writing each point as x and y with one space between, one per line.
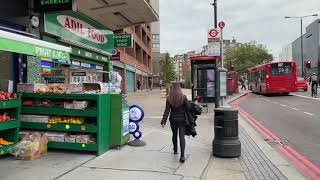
167 70
246 56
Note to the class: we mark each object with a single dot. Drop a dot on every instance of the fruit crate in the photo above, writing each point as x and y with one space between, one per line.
9 130
100 113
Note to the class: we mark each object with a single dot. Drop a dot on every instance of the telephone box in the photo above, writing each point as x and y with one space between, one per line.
232 82
203 72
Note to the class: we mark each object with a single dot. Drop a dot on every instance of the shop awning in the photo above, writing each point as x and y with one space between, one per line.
118 14
26 45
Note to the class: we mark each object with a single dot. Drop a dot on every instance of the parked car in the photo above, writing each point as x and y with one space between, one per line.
302 84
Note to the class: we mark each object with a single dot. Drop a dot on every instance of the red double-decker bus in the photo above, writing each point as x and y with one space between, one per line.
273 78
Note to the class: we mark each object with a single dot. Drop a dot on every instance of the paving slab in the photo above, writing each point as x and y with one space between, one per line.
137 160
232 176
47 167
195 164
104 174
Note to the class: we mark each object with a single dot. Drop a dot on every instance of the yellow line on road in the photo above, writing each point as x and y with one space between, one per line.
309 113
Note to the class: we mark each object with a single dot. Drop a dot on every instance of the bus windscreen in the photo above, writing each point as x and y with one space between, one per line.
281 69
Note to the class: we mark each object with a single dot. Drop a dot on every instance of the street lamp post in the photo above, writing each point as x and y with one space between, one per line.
301 24
217 81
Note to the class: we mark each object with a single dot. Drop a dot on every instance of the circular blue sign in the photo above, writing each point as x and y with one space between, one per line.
133 127
136 113
137 134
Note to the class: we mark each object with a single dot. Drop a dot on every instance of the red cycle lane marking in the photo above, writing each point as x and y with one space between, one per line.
284 149
298 163
305 160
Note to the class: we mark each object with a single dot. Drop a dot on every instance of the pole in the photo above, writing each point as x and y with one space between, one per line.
302 62
221 55
217 80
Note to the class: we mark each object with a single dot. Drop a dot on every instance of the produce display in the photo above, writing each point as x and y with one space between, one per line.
5 117
7 95
4 142
66 120
57 103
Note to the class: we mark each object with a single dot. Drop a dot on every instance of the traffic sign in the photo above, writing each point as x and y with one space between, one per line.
213 33
222 24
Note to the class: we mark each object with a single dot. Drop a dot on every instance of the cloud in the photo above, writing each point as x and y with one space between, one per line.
184 22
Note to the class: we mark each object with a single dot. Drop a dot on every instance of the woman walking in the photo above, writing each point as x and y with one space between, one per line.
175 108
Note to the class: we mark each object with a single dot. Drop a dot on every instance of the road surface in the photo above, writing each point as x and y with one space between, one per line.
295 119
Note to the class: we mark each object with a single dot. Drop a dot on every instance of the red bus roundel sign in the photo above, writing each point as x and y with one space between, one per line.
222 24
213 33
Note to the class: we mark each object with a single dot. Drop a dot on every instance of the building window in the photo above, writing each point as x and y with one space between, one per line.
155 36
155 45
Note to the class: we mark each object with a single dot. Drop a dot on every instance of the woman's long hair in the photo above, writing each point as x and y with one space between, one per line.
176 97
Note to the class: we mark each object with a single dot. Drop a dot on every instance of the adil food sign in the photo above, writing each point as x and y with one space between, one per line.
78 29
82 29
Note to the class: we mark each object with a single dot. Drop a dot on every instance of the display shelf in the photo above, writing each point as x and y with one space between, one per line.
5 149
100 113
64 96
73 146
88 128
12 103
9 125
9 130
42 110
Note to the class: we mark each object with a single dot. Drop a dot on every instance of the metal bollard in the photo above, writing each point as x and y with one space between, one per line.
226 143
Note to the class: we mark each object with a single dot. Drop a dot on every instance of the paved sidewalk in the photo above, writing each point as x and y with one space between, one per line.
156 160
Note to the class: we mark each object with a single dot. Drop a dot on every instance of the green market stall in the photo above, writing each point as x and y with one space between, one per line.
10 107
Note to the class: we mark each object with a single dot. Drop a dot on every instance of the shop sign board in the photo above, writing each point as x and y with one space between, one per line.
79 74
78 29
33 50
99 67
123 40
86 65
116 55
89 54
75 63
125 122
43 6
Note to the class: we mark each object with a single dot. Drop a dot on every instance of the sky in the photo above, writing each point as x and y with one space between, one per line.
184 23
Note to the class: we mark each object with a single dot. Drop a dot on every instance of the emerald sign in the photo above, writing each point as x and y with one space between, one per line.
43 6
33 50
123 40
77 29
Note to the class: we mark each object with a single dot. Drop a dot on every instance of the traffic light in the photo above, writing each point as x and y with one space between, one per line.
308 64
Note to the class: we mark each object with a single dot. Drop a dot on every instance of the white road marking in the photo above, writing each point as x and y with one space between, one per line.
306 97
294 109
283 105
268 100
309 113
275 102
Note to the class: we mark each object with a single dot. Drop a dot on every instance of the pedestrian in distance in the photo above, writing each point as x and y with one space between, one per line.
160 84
150 84
175 110
138 84
243 83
